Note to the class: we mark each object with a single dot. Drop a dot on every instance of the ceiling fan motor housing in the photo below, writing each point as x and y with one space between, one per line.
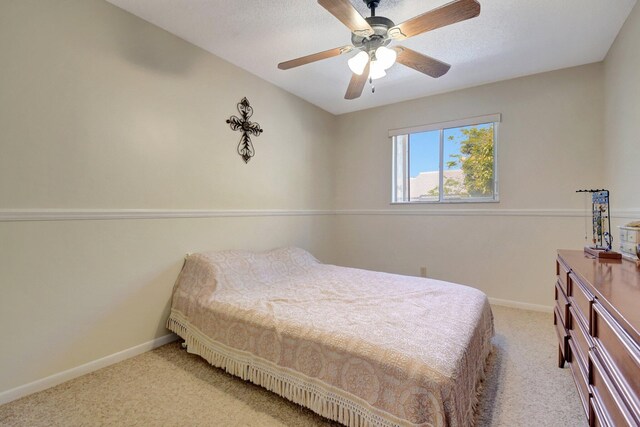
380 37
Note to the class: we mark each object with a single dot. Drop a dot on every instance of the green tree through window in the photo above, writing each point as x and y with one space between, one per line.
475 160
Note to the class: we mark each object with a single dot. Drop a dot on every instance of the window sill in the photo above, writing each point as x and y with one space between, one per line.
447 202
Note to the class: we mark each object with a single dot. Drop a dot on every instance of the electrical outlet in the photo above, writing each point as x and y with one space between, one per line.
423 271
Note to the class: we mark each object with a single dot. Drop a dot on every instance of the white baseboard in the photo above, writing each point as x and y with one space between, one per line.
55 379
521 305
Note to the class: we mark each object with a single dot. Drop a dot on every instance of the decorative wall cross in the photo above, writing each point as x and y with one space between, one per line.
245 147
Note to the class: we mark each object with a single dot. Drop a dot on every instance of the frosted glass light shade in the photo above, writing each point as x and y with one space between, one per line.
376 70
358 62
385 56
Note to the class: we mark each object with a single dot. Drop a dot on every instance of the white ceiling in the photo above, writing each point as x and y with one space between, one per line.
510 38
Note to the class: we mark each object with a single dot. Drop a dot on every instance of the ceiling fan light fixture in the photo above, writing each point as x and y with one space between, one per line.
376 70
358 62
386 57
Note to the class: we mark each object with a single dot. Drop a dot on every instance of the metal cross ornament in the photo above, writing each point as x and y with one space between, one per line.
242 124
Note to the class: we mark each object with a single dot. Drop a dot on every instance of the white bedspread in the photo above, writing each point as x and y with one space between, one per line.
359 347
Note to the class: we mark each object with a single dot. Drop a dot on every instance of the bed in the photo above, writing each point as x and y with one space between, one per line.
359 347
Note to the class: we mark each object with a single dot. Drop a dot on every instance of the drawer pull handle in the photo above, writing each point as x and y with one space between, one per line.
600 415
584 290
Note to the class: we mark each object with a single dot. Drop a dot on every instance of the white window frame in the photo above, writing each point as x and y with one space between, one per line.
441 127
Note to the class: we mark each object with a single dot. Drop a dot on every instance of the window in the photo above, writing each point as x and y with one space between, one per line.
446 162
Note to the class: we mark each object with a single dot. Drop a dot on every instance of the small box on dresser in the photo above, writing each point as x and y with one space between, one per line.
629 239
597 319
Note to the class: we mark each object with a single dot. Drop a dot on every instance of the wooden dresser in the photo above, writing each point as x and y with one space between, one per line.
597 318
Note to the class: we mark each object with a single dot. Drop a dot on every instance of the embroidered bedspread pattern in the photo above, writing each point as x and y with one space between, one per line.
410 350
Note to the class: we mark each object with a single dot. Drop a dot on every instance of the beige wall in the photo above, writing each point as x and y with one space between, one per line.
622 116
101 110
549 145
548 142
76 291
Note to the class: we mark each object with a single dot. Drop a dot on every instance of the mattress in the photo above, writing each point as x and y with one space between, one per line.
360 347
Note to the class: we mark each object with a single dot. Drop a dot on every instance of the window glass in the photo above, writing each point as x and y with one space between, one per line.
424 166
445 165
468 162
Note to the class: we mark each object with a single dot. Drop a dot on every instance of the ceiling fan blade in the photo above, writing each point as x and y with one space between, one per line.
357 84
423 63
450 13
314 57
348 15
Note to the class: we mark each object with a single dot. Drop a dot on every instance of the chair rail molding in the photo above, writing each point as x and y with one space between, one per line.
8 215
45 214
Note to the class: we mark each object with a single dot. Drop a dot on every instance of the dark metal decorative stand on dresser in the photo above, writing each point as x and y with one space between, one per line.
597 318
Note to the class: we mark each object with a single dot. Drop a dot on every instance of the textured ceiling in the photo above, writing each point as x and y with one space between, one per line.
510 38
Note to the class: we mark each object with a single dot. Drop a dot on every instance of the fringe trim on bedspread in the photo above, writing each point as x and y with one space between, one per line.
481 371
321 401
480 386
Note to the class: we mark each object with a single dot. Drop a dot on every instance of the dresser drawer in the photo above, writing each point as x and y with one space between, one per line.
580 337
582 299
620 352
579 373
562 271
563 338
606 395
562 303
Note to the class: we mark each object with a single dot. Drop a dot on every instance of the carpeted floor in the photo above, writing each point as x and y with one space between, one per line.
169 387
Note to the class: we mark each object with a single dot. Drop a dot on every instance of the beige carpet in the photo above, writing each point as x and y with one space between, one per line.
169 387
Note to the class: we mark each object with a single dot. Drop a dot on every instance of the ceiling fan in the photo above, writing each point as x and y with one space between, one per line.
372 35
